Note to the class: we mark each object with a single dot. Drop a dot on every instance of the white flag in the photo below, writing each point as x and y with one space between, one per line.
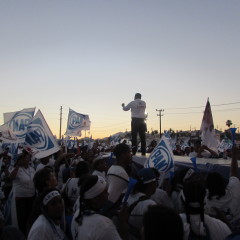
16 123
76 123
207 129
39 137
161 157
6 134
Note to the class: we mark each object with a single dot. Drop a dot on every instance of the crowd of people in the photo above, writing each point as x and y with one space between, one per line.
86 195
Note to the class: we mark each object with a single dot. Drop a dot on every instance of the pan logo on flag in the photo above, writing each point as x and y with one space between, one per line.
37 137
19 123
75 120
161 158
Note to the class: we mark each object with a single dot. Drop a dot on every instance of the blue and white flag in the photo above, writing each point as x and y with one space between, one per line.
161 157
15 125
76 123
39 137
225 145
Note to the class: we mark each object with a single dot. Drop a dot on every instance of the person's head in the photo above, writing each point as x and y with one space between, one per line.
44 178
52 204
147 181
137 96
123 154
23 159
45 160
197 145
94 191
82 168
93 195
216 185
160 222
194 191
99 164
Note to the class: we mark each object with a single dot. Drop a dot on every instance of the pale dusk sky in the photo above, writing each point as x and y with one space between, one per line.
91 56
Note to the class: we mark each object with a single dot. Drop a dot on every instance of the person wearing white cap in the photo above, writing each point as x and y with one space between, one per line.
87 223
47 225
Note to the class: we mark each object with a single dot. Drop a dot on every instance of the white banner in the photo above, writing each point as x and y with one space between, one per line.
39 137
16 124
161 157
76 123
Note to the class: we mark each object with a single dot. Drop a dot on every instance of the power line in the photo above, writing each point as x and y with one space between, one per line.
212 105
218 110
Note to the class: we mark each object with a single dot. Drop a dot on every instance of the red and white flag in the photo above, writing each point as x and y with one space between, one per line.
207 129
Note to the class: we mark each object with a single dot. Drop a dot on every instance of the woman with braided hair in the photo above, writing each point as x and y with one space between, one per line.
87 222
198 225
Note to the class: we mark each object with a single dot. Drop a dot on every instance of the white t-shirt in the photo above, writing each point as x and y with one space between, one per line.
41 165
136 216
60 175
137 107
117 182
176 198
217 229
161 198
98 173
94 227
23 182
72 189
42 228
229 203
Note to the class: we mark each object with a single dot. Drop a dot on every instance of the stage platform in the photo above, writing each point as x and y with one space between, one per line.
203 164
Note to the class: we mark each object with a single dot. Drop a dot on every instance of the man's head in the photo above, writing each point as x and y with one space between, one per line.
138 96
123 154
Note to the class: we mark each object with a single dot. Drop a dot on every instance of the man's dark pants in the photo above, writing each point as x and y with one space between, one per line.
138 126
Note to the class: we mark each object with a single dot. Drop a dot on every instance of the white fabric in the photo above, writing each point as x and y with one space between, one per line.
72 189
161 198
23 182
177 201
204 154
98 173
42 229
40 166
50 196
60 177
76 205
217 229
94 227
96 189
137 107
229 203
136 216
116 185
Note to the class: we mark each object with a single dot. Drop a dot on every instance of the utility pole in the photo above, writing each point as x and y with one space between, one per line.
60 132
160 115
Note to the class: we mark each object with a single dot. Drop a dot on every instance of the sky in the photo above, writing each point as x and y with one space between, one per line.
92 56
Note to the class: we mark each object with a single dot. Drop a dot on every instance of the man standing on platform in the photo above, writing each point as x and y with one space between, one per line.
138 124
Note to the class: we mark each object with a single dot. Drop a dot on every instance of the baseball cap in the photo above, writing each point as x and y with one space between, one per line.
147 175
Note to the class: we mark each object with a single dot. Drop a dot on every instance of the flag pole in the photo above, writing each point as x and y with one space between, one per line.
60 131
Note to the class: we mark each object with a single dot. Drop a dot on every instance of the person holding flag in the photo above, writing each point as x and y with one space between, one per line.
23 191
